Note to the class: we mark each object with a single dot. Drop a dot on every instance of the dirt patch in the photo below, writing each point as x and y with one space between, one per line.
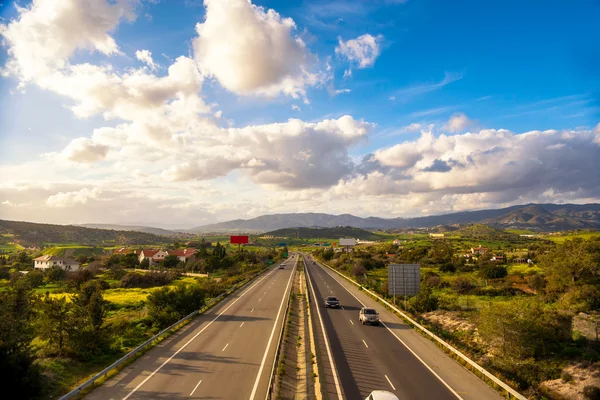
587 325
450 321
573 382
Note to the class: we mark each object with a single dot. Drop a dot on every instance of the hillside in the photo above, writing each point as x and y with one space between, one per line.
325 233
134 228
479 231
28 234
543 217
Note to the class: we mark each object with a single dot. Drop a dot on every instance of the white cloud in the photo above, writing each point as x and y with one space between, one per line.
68 199
84 150
458 123
295 107
46 33
145 56
341 91
252 50
392 98
362 51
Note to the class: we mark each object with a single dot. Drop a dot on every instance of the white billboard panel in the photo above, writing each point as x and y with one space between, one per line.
347 242
404 279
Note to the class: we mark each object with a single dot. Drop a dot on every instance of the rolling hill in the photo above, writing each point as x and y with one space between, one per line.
28 233
134 228
543 217
325 233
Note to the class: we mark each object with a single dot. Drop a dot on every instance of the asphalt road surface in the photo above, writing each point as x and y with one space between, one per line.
367 358
226 353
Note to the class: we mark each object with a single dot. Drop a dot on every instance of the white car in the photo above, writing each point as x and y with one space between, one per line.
369 316
382 395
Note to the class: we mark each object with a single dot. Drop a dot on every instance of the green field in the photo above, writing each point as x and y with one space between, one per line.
561 238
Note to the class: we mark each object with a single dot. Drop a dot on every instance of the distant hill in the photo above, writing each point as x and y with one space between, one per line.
27 233
325 233
147 229
480 231
542 217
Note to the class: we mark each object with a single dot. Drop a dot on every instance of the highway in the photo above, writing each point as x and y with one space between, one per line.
357 359
226 353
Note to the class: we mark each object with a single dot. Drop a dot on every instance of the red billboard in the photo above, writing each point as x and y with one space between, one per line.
238 239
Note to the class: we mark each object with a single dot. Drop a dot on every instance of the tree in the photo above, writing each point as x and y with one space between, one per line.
167 305
55 274
441 252
574 262
130 260
523 329
492 271
536 283
85 322
35 278
170 261
425 300
145 264
219 251
17 369
52 322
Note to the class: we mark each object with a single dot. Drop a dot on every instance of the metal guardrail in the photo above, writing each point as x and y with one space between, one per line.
278 352
483 371
133 353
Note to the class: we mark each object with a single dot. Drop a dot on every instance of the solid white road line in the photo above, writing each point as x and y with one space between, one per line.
242 324
225 347
286 295
331 362
195 336
351 322
366 345
390 382
199 382
400 340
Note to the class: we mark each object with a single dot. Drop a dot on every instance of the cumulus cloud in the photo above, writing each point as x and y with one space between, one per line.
362 51
67 199
145 56
253 50
458 123
84 150
41 39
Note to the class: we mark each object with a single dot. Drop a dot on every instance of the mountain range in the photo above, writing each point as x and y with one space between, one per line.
543 217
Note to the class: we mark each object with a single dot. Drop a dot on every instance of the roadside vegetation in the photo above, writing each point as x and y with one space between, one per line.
531 316
58 328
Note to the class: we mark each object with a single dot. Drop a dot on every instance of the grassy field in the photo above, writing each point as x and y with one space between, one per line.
73 251
561 238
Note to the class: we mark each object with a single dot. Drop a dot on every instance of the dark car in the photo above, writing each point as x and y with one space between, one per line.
332 302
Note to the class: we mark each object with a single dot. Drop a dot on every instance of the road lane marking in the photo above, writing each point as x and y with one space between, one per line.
331 362
252 310
400 340
351 322
260 299
195 336
225 347
390 382
242 324
286 295
342 308
265 293
366 345
196 387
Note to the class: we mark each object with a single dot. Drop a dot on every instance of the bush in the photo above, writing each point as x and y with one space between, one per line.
166 306
536 282
462 285
358 270
448 267
55 274
78 278
581 298
35 278
493 271
591 392
566 377
432 279
115 272
425 301
150 279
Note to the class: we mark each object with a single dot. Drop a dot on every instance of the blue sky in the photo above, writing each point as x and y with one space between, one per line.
517 66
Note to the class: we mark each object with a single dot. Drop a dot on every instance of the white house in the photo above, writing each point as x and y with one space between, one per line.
48 261
156 256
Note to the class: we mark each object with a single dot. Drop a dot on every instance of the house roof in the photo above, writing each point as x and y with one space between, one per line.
148 252
182 253
48 257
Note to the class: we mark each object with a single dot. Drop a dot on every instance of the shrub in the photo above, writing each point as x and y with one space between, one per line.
358 270
493 271
78 278
462 285
425 301
448 267
35 278
536 282
55 274
566 377
166 305
432 279
115 272
581 298
150 279
591 392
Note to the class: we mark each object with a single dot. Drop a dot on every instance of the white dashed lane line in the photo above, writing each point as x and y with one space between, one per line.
199 382
366 345
225 347
390 382
242 324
